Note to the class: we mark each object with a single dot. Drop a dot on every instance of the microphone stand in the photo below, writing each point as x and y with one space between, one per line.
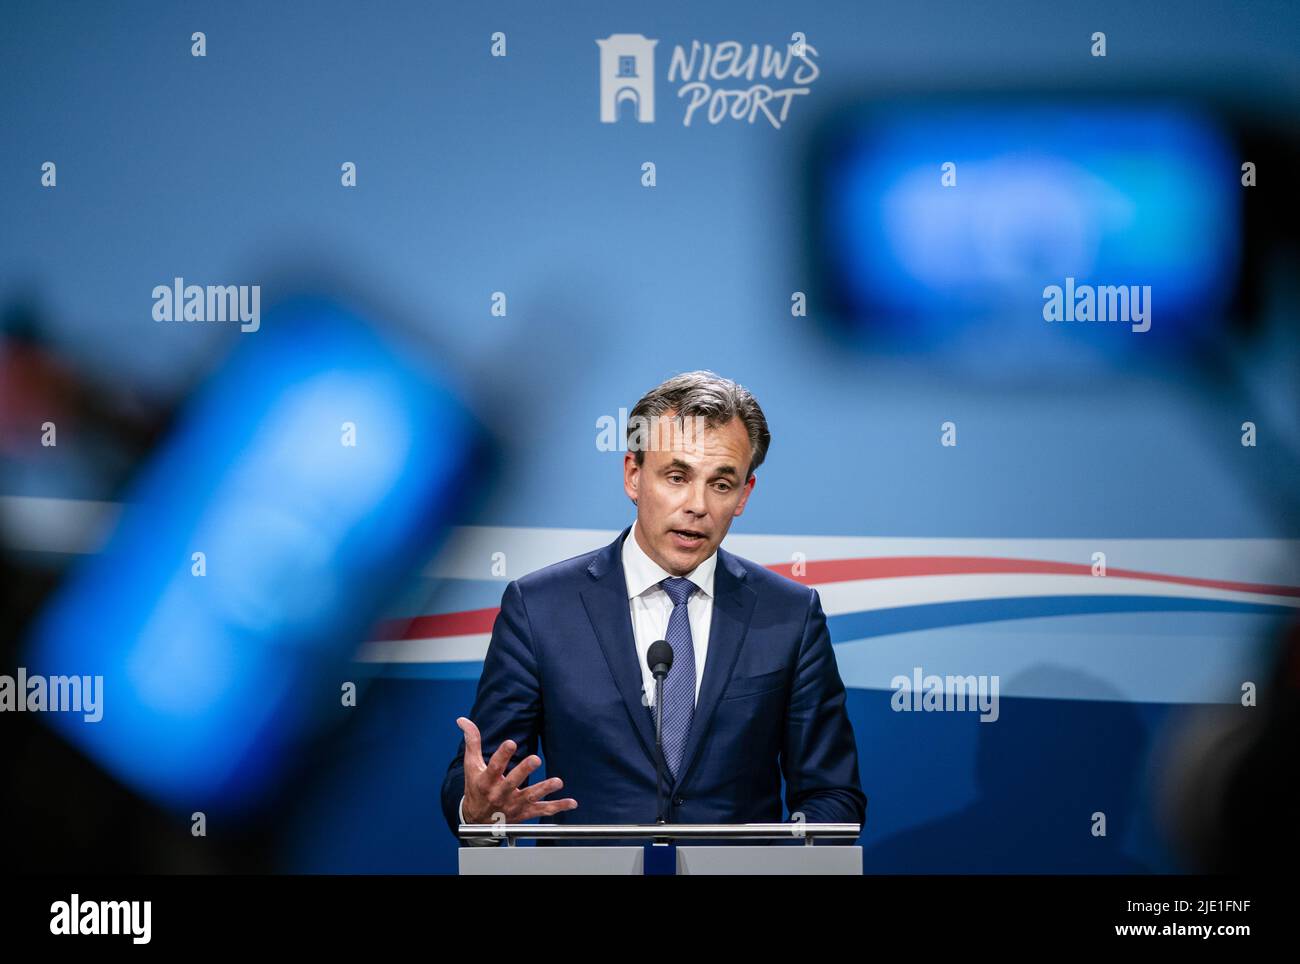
659 749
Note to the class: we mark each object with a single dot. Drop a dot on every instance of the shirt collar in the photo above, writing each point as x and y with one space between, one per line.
643 573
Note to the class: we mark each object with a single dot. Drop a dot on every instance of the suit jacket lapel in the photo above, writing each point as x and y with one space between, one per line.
733 604
611 618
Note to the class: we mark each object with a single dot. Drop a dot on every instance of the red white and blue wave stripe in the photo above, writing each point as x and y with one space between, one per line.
1171 620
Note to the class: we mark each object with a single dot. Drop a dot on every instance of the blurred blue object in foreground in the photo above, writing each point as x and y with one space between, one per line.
942 222
313 473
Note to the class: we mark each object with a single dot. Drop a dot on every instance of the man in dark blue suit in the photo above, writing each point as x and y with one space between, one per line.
753 691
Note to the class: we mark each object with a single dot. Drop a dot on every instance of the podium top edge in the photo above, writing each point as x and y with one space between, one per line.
736 830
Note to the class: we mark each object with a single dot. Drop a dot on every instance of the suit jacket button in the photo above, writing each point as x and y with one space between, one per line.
678 801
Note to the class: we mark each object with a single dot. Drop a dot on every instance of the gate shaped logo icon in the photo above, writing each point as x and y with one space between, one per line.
627 72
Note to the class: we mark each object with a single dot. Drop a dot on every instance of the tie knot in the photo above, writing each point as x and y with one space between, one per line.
679 589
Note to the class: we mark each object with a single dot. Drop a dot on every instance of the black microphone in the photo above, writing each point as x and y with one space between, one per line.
660 660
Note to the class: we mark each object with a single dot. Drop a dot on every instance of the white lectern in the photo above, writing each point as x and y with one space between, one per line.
805 858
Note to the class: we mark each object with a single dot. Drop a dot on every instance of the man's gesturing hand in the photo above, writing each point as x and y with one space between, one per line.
490 790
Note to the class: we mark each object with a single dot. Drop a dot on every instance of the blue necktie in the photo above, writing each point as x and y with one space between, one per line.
679 687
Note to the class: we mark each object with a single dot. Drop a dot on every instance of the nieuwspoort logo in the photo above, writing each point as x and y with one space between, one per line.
746 82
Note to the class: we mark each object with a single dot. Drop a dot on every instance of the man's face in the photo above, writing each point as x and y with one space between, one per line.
688 489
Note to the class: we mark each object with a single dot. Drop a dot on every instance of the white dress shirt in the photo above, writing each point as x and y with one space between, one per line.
651 606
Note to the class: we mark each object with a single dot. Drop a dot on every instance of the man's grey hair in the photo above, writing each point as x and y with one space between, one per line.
709 396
